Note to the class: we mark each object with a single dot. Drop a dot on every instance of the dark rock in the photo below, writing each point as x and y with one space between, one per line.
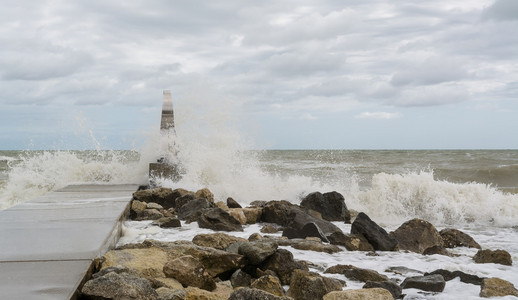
402 270
218 219
312 244
240 278
184 199
191 210
493 256
464 277
304 285
162 196
114 269
217 240
258 203
436 250
170 222
455 238
338 269
430 283
390 286
364 275
231 203
496 287
375 235
170 294
417 235
269 229
308 230
255 237
189 272
254 294
149 214
330 205
283 264
268 283
351 242
117 286
257 252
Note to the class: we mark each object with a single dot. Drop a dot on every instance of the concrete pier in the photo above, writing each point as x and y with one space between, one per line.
48 245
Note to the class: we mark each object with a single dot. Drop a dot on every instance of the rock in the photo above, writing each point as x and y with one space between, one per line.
255 237
170 283
254 294
167 222
123 286
283 264
155 253
364 275
330 205
163 196
351 242
189 272
222 205
240 279
417 235
389 285
149 214
218 219
493 256
238 214
252 214
464 277
258 203
153 205
257 252
309 230
289 215
430 283
374 234
218 240
184 199
496 287
455 238
231 203
170 294
224 289
309 244
146 262
191 210
269 229
436 250
362 294
402 270
304 285
270 284
205 193
194 293
137 207
338 269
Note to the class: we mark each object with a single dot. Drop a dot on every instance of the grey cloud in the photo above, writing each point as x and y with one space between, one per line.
501 10
432 71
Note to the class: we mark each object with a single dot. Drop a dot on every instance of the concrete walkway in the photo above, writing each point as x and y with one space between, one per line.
47 245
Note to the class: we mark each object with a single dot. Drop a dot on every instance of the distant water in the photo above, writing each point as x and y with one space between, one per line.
442 186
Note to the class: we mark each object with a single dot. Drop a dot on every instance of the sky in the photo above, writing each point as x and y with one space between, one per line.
359 74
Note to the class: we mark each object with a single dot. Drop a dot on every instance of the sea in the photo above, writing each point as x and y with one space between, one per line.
475 191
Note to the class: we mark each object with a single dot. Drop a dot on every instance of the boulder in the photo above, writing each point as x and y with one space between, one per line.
240 279
417 235
145 262
231 203
389 285
153 205
217 240
191 210
331 206
218 219
189 272
402 270
269 229
362 294
170 294
148 214
351 242
464 277
338 269
493 256
430 283
205 193
167 222
255 237
304 285
283 264
436 250
270 284
137 207
238 214
163 196
254 294
312 244
364 275
252 214
257 252
194 293
496 287
308 230
182 200
455 238
222 205
374 234
119 286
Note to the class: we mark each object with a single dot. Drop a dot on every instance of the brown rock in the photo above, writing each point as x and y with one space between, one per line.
364 275
254 294
218 219
146 262
351 242
149 214
218 240
193 293
238 214
165 293
269 284
493 256
168 222
361 294
269 229
496 287
222 205
304 285
162 196
189 272
231 203
252 214
283 264
123 286
205 193
455 238
255 237
417 235
309 244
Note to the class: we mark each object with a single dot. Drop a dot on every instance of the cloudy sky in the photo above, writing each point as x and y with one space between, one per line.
359 74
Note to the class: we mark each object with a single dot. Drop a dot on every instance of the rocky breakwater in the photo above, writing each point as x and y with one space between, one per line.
222 266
